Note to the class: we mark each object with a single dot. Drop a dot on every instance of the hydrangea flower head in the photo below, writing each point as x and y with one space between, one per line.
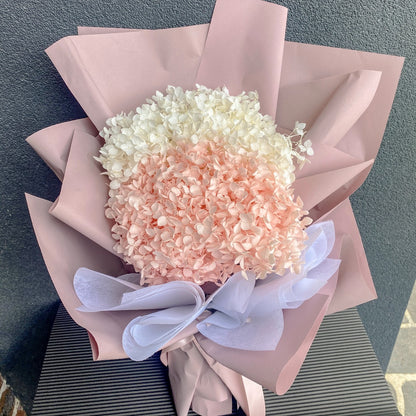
200 188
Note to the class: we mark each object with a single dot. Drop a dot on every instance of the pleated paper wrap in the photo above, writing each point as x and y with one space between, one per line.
343 96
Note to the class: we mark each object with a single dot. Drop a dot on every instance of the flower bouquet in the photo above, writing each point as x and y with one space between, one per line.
196 216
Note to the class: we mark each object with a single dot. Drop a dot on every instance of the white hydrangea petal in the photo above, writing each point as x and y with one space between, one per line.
200 114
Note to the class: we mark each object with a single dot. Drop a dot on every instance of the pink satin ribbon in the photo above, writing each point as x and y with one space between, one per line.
200 382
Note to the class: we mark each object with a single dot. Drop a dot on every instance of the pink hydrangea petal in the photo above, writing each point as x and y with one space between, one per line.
202 213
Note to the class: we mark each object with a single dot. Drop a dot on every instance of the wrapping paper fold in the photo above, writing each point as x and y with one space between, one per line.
343 96
208 385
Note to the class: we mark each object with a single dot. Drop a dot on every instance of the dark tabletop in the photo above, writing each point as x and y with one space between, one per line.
33 96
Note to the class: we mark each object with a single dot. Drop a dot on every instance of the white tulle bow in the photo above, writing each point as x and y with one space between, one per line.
245 313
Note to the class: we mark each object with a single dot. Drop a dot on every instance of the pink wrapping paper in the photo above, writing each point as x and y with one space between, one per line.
344 97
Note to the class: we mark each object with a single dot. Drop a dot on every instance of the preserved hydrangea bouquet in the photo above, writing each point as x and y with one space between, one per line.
200 195
200 188
204 196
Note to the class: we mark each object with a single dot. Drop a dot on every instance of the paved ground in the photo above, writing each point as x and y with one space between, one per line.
9 405
401 371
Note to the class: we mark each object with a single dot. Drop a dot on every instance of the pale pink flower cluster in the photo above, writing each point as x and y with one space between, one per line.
199 212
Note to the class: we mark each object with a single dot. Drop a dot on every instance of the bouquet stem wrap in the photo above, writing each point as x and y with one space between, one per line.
344 97
208 386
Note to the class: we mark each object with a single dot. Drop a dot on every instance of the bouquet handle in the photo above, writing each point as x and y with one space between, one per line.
200 382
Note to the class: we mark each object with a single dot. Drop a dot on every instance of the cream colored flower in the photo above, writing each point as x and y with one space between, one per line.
201 114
